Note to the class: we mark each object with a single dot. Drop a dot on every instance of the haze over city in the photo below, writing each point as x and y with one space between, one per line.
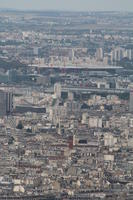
66 100
72 5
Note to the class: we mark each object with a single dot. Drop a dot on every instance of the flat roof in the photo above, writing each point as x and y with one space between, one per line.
78 67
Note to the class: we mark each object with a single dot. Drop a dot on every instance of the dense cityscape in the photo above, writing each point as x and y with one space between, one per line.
66 105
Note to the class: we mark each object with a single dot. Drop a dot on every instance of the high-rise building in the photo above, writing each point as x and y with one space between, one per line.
9 103
99 54
71 141
57 90
129 54
70 96
35 51
71 54
131 101
6 103
118 54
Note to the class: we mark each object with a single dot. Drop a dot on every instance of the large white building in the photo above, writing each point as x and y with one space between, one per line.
57 90
99 54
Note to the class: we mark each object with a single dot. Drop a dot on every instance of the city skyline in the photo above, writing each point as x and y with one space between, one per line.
66 101
72 5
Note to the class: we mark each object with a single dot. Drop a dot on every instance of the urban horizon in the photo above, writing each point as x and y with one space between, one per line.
66 101
84 5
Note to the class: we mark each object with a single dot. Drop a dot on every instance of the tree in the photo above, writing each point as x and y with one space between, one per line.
20 125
